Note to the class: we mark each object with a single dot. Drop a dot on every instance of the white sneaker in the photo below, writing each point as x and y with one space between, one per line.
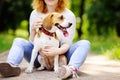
67 71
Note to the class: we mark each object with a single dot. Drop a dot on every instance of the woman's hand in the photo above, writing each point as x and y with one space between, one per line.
37 24
50 51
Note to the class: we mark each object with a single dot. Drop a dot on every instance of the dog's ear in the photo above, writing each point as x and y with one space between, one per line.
48 21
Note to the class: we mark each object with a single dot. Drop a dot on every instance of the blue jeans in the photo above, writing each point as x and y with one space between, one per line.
22 48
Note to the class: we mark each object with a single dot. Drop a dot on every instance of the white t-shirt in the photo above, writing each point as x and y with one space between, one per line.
70 17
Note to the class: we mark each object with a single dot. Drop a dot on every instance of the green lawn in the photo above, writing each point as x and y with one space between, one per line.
6 39
105 45
108 46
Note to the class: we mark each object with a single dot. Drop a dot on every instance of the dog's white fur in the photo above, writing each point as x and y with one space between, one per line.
41 40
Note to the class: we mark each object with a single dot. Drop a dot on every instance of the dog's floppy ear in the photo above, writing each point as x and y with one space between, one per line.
48 22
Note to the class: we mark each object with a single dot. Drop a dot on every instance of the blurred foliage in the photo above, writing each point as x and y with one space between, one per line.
103 15
78 8
108 46
6 39
75 4
114 53
5 42
12 12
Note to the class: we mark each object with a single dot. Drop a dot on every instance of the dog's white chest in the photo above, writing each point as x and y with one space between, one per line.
45 40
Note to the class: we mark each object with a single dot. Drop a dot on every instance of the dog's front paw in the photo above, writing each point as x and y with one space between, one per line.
29 70
41 68
56 70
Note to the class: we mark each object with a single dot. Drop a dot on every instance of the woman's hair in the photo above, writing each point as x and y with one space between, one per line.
41 6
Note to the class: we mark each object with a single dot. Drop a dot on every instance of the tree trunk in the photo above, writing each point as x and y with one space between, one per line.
79 30
118 29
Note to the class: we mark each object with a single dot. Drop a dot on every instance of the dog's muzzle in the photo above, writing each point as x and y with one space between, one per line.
63 29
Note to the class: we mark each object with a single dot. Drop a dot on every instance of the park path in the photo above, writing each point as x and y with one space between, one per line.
96 67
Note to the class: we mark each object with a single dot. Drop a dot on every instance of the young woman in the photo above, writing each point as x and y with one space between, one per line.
21 48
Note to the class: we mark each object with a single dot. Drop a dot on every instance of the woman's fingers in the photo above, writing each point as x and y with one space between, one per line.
37 24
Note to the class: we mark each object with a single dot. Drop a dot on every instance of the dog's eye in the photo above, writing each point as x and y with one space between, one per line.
61 17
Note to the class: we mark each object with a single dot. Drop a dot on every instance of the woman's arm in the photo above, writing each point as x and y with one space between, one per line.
35 22
64 48
32 35
52 51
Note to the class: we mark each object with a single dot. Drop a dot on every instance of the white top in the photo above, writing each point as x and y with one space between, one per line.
70 17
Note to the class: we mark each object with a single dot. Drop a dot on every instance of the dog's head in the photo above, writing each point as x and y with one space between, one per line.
54 21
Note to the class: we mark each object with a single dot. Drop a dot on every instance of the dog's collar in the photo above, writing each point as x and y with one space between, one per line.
48 33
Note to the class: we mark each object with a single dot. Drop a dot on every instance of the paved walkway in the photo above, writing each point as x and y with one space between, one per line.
96 67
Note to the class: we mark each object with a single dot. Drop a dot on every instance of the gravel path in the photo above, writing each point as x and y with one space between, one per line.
96 67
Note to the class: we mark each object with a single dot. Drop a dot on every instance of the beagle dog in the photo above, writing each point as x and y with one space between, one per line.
47 36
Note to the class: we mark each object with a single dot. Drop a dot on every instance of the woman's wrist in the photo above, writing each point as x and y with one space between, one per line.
63 49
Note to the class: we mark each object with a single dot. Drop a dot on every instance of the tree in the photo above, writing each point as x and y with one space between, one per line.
103 15
81 14
78 8
12 12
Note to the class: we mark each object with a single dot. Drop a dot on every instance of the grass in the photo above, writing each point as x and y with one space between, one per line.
5 41
108 46
7 38
101 44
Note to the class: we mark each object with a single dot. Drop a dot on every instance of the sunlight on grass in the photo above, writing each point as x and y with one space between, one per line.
6 39
107 46
114 53
21 33
24 24
100 44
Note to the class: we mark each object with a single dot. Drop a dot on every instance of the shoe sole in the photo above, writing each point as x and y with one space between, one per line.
7 70
64 73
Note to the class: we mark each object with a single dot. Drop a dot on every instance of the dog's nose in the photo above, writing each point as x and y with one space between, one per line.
70 24
56 24
40 28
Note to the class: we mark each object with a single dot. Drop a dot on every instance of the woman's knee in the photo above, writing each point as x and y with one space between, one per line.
83 42
18 41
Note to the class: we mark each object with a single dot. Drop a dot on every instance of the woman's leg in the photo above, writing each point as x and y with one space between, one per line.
76 56
16 53
77 53
20 49
15 57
